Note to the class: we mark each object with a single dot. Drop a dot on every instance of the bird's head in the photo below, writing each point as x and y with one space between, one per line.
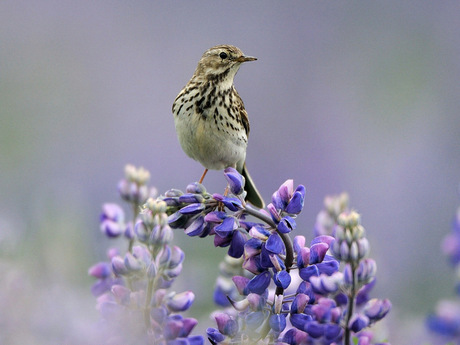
221 60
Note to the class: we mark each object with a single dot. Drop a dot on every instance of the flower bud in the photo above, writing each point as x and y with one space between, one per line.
122 294
192 209
195 188
318 252
344 252
118 266
180 302
226 324
376 309
363 247
358 322
299 303
214 335
100 270
235 181
296 203
131 263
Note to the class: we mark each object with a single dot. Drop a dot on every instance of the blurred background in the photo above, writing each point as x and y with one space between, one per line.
356 96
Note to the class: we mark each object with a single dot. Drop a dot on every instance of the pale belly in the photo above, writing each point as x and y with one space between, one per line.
215 146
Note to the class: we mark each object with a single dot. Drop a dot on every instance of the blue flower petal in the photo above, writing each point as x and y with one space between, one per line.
282 279
196 228
190 198
233 204
285 191
328 266
215 335
299 242
303 257
315 329
286 225
227 227
300 321
295 206
235 180
278 322
306 272
274 244
195 340
192 208
332 331
236 249
259 283
358 322
323 239
318 252
241 284
175 220
299 303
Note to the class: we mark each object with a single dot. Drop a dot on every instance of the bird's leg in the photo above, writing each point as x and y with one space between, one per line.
202 176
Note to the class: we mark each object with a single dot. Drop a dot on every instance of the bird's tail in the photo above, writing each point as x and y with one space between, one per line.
253 195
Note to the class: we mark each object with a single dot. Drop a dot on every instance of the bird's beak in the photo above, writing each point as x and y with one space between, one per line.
246 58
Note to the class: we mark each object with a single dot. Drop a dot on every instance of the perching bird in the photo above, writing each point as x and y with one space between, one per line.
211 122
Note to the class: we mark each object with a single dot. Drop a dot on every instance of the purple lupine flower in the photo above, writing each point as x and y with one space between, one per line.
226 324
139 277
363 293
180 302
235 181
259 283
286 225
358 322
112 220
300 321
282 279
316 308
101 270
287 199
446 320
214 335
376 309
133 188
226 230
233 204
324 284
278 322
314 261
295 337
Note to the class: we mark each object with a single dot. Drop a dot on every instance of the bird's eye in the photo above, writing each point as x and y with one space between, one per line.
223 55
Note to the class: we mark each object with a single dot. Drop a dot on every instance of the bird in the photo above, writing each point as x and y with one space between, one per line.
211 122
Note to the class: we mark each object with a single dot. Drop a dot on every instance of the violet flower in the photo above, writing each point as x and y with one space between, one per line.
276 290
132 288
444 322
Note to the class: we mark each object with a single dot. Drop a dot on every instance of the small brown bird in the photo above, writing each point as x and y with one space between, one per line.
211 122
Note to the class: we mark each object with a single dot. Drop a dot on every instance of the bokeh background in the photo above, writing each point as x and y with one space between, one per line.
355 96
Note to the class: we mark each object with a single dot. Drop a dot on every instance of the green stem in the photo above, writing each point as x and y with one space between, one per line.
135 213
351 304
262 216
148 299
